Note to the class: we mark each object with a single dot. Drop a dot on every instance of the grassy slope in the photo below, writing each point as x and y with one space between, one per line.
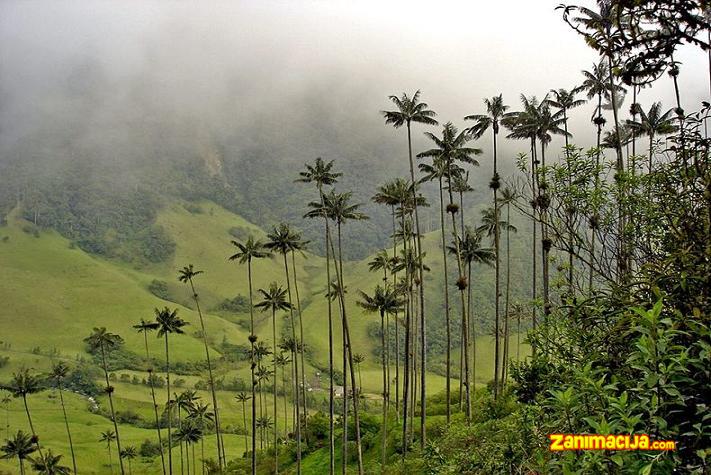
53 295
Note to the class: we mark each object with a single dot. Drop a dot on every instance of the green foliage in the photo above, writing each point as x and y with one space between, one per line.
238 304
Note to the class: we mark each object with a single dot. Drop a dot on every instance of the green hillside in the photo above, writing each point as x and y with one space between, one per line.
55 293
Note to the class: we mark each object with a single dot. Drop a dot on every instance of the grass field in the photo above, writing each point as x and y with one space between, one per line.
53 295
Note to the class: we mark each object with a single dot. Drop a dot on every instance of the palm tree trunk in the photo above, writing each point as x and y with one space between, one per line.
69 434
244 423
296 370
597 187
408 356
155 405
469 326
331 402
397 335
220 442
423 336
446 301
29 419
170 409
619 169
461 285
252 367
385 392
508 294
568 214
346 331
111 464
274 350
111 405
497 272
301 340
534 239
463 336
202 452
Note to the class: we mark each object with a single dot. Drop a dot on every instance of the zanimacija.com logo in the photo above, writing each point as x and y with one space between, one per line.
561 442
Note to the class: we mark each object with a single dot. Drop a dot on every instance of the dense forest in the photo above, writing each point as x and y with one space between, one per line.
324 315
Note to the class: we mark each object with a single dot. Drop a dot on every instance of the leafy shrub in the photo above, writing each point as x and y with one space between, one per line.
239 304
159 288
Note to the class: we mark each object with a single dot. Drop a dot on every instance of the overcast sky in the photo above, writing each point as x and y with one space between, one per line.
223 64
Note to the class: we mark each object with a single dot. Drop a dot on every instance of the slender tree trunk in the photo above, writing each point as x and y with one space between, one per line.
385 392
397 335
463 337
460 284
111 463
153 398
69 434
356 417
508 294
331 402
32 426
219 441
170 409
296 370
111 405
252 367
408 356
619 169
244 423
469 325
534 239
446 301
497 272
423 336
274 352
597 187
301 339
568 214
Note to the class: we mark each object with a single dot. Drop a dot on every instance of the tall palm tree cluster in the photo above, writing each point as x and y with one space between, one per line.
588 222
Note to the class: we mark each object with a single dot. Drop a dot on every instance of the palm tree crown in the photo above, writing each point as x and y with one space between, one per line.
409 109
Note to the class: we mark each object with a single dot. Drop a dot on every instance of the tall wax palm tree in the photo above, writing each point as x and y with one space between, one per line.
108 437
450 149
508 196
169 322
409 110
129 453
190 435
321 174
21 446
187 275
438 171
382 261
283 239
385 300
653 123
242 398
202 417
283 361
58 374
490 225
105 341
472 253
564 100
49 464
547 123
495 112
396 194
460 185
145 326
599 84
523 126
248 251
338 208
24 383
274 299
184 403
